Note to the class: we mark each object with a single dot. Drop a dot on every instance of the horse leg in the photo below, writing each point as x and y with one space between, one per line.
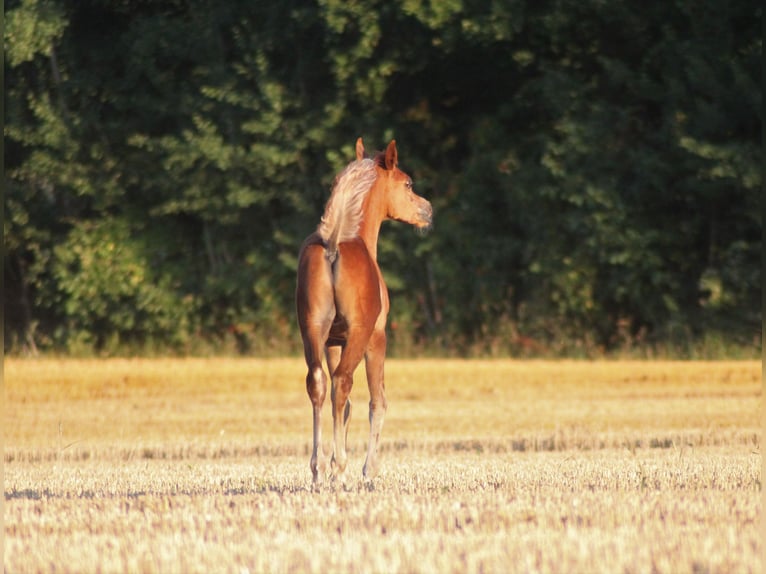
315 309
342 381
316 385
332 354
374 358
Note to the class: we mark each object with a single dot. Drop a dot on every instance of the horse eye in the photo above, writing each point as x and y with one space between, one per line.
408 184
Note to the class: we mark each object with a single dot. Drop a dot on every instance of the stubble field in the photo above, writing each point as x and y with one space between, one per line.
487 466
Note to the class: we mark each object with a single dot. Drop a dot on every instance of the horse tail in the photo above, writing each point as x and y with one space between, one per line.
343 213
331 244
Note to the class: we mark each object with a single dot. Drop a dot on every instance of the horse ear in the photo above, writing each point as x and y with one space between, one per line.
359 150
391 155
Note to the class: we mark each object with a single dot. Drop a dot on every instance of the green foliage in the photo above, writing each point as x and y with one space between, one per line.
110 292
31 30
593 167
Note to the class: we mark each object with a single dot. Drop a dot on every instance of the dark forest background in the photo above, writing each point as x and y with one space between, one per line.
594 167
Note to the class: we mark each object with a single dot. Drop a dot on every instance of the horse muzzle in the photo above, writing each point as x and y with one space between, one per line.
425 216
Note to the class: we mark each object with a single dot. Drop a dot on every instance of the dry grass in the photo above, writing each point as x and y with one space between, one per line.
494 466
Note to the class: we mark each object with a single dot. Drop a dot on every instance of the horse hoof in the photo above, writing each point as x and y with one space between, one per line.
370 470
337 467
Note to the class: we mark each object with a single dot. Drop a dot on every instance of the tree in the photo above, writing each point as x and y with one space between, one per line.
592 168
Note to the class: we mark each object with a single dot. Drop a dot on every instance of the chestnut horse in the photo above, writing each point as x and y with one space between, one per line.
341 299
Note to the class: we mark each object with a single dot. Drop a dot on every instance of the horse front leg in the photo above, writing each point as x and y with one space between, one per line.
374 359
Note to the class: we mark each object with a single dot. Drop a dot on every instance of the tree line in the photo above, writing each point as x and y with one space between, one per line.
593 166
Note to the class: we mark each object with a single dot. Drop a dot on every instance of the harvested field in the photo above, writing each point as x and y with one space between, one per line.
487 466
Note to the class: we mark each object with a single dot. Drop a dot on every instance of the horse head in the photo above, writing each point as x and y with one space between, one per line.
400 202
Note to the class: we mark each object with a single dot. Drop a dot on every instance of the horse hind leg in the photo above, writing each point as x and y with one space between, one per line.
333 354
342 381
341 415
374 359
316 385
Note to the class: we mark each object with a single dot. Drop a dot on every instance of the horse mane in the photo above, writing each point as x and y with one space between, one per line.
343 212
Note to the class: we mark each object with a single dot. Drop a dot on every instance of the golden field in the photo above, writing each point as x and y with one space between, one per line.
201 465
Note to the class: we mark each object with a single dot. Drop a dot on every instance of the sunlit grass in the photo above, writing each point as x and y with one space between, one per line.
494 466
60 403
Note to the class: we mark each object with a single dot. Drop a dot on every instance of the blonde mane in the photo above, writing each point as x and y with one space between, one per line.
343 213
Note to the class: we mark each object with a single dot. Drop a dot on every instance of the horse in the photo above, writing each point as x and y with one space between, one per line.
342 301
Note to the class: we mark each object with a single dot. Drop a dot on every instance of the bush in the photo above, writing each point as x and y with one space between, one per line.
112 295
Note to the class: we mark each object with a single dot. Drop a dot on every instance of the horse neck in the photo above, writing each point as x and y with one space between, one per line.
374 214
